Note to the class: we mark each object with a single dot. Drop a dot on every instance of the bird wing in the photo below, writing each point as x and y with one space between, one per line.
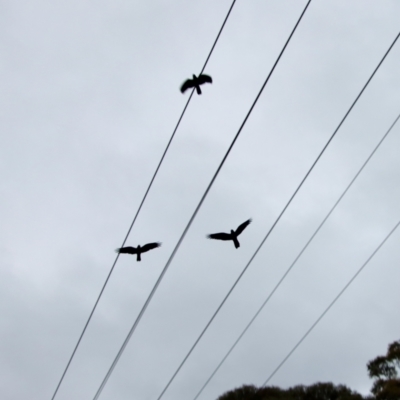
203 78
128 250
149 246
187 85
220 236
242 227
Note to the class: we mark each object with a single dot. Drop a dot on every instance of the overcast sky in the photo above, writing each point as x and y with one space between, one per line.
89 98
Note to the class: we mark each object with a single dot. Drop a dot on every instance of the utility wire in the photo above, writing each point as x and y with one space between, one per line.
193 217
141 204
330 306
296 259
279 217
234 285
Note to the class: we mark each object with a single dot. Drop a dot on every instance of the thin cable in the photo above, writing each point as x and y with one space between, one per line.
330 306
279 217
141 204
296 259
193 217
234 285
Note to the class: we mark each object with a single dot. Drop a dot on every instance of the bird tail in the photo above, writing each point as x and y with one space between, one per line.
138 257
198 90
236 243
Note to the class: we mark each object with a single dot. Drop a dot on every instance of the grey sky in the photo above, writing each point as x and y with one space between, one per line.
89 98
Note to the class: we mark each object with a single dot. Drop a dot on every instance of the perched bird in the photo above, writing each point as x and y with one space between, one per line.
196 82
231 236
138 250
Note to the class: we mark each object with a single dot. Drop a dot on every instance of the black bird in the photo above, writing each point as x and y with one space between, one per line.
231 236
196 82
138 250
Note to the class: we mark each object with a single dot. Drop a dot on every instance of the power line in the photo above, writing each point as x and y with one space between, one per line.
296 259
330 306
279 217
133 328
140 206
234 285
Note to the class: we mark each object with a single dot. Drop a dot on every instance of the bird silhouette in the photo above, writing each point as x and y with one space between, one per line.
231 236
138 250
196 82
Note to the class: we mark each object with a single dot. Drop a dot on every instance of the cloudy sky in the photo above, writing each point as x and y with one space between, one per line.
89 98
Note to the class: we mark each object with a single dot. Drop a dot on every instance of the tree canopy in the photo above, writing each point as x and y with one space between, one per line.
383 369
385 372
317 391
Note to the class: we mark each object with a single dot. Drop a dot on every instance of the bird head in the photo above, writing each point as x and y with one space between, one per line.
194 77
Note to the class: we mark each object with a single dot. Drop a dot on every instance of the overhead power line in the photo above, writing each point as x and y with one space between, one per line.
278 218
140 206
295 260
330 306
135 324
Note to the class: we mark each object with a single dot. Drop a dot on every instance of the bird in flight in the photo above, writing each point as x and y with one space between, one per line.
138 250
231 236
196 82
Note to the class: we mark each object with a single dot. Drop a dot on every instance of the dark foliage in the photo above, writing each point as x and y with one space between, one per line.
384 369
318 391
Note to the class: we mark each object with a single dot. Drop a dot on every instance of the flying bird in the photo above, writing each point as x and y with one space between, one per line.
231 236
196 82
138 250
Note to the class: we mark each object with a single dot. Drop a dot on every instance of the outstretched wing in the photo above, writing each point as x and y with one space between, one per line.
149 246
188 84
203 78
220 236
127 250
242 227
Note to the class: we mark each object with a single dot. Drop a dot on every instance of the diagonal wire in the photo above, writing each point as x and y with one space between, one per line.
193 216
296 259
280 215
330 306
141 204
232 288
